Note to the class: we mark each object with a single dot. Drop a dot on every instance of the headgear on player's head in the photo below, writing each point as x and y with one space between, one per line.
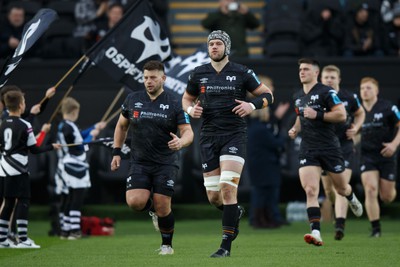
224 37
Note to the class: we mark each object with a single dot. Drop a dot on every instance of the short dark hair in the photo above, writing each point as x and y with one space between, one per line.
6 89
311 61
13 99
154 65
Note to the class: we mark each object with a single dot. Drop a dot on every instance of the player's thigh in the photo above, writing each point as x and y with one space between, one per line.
370 179
310 176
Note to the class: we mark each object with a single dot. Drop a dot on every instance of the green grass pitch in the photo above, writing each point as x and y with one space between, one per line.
135 242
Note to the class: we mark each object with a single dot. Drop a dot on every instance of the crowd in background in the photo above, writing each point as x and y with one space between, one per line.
291 28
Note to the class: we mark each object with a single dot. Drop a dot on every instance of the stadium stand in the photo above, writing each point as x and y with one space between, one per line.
188 34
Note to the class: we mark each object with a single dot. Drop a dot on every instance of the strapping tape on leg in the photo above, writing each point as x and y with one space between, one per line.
211 183
230 177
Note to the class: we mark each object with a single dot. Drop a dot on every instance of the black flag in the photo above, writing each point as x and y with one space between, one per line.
33 30
124 50
179 68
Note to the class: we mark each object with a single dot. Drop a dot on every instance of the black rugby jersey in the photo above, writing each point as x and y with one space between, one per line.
151 123
379 126
16 136
317 134
351 104
217 93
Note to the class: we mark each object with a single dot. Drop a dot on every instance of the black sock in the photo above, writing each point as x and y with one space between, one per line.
314 217
376 226
167 225
350 197
229 220
340 222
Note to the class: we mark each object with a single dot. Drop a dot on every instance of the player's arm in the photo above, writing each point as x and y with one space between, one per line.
359 117
335 115
185 139
296 128
390 148
263 98
120 133
190 106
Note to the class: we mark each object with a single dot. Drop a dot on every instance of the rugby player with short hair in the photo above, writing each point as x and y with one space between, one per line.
216 92
155 117
380 139
318 108
346 132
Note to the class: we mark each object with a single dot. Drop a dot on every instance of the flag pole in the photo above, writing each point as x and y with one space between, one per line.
65 76
121 91
84 67
113 115
105 139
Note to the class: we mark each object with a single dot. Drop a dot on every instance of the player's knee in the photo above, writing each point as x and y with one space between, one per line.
388 197
370 190
311 191
230 178
135 203
211 183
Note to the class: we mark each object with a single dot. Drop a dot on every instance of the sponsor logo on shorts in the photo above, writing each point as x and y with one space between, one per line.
338 168
170 183
303 161
391 177
362 168
233 150
129 179
204 166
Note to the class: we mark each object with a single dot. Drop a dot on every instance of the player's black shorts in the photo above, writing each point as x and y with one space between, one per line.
329 160
387 167
18 186
160 178
212 147
348 156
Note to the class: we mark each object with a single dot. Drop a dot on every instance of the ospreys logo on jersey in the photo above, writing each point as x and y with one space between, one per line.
314 98
231 78
378 116
164 107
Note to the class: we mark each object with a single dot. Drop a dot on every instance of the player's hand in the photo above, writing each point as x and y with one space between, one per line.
115 163
388 149
243 109
100 125
56 146
292 133
35 109
50 92
351 132
46 127
310 113
94 133
175 143
197 111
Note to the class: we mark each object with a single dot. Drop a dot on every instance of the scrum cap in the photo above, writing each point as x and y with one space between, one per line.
224 37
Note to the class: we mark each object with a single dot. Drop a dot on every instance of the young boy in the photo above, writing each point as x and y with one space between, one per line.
73 169
16 140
